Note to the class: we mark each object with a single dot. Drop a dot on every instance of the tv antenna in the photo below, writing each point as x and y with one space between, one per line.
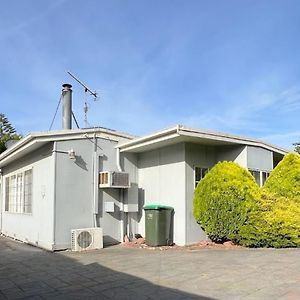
86 90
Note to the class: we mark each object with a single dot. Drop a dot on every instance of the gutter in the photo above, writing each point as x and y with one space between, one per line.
52 136
231 138
150 137
180 130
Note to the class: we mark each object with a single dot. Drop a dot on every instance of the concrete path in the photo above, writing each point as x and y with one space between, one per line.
122 273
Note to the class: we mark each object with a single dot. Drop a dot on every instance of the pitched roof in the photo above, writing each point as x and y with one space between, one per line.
182 133
38 139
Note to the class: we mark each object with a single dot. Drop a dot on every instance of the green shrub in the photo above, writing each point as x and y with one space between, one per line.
284 180
274 221
223 199
229 205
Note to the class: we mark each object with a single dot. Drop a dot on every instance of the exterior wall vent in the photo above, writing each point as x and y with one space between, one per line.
112 179
86 239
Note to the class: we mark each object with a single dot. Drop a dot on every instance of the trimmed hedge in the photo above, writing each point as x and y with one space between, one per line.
223 199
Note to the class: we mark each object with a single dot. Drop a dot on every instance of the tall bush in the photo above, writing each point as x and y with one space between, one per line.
284 180
223 199
274 222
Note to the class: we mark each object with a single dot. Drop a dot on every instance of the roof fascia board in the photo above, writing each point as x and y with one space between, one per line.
149 138
149 142
26 146
59 136
230 139
16 146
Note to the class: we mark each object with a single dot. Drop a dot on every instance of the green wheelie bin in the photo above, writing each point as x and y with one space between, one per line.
158 225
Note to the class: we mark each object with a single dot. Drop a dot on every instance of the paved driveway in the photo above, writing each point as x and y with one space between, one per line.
122 273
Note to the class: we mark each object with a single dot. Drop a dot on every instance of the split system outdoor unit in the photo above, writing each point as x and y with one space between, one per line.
112 179
86 239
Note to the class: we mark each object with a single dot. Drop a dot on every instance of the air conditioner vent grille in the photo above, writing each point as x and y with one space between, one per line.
112 179
84 239
120 179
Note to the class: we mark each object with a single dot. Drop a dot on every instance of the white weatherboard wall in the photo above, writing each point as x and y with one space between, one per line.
35 228
162 181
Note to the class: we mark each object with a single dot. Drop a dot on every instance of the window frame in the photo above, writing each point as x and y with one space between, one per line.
15 196
195 173
261 172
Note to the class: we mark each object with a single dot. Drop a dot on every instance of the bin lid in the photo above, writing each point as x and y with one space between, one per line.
157 206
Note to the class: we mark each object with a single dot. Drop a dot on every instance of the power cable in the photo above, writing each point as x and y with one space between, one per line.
75 120
55 112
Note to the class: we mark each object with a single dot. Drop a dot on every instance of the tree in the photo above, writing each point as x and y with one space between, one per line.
7 132
297 147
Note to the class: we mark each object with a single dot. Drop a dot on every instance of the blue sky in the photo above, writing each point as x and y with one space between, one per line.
229 66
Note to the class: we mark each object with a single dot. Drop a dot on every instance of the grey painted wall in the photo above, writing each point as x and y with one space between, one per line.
35 228
75 188
110 221
63 193
162 181
195 155
207 157
258 158
237 154
129 163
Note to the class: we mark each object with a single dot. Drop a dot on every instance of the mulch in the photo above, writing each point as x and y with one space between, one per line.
140 244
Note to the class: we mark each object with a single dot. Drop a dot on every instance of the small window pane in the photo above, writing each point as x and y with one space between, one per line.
256 175
28 192
7 187
200 174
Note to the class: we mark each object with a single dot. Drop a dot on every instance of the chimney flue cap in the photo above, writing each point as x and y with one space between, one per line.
67 86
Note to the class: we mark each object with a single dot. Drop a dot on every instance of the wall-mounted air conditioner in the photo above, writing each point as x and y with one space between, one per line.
86 239
112 179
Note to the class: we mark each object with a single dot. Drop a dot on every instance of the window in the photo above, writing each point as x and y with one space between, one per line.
264 177
199 174
18 192
260 176
256 175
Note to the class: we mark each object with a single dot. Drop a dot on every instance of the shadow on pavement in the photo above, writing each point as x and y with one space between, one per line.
29 272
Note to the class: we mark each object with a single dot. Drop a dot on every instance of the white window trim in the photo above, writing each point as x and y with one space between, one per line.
194 169
15 173
261 183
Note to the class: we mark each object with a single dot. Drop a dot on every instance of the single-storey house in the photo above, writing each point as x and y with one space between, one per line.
56 181
50 180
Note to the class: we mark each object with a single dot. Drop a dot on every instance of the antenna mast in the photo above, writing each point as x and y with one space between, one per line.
86 89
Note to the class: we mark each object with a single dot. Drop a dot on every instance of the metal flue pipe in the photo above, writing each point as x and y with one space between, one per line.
67 106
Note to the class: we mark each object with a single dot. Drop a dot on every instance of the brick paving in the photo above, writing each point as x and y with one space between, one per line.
116 272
